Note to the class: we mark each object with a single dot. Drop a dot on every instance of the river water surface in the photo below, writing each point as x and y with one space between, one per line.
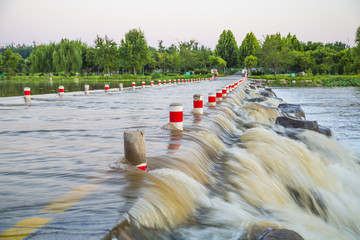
231 174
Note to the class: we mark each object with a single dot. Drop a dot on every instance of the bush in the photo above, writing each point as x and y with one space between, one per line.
201 71
156 75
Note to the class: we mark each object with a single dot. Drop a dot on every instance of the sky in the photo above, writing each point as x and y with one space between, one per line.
44 21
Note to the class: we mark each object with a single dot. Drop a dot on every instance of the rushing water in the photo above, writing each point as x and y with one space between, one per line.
231 174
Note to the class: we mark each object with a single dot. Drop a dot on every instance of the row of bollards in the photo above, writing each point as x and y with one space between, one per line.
176 109
134 141
27 91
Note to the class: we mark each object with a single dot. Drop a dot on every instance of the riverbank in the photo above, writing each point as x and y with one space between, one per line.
45 84
285 80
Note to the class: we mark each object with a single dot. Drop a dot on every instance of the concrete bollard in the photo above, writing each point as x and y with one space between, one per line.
61 90
135 149
164 82
176 115
169 82
159 82
27 94
121 86
152 83
178 80
198 104
212 100
182 80
133 85
143 84
87 89
219 95
106 88
224 92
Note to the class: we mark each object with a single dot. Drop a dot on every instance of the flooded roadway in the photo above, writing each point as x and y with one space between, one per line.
60 171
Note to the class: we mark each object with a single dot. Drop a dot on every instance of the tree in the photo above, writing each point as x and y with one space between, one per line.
249 46
11 62
67 56
227 48
187 55
250 62
299 61
272 53
42 59
106 53
357 36
134 50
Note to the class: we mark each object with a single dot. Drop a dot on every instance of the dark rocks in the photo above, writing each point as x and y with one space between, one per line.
292 110
267 93
297 123
324 130
282 234
256 99
270 90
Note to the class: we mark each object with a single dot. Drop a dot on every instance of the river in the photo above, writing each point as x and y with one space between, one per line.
231 174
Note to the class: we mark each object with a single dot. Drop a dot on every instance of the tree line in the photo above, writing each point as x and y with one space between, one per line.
274 54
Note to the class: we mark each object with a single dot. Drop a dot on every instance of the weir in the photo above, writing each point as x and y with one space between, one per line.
228 173
240 174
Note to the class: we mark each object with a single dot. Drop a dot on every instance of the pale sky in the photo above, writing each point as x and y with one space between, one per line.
25 21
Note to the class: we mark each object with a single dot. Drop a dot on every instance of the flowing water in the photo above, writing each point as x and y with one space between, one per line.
231 174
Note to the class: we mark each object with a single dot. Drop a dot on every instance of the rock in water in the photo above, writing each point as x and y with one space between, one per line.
292 110
296 123
282 234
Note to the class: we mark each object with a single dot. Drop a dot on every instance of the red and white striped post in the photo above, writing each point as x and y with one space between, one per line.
164 82
224 92
152 83
227 89
133 85
178 80
27 94
142 166
212 100
176 115
159 82
87 89
143 84
219 95
169 82
174 81
198 104
106 87
61 90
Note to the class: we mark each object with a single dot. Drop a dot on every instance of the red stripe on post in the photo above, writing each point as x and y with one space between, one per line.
198 104
176 117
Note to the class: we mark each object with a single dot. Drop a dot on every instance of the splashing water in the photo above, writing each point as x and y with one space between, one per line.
238 175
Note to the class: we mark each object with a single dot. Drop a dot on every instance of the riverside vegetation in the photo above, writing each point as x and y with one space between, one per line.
331 64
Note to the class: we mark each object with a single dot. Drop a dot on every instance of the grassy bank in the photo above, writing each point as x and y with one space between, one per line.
284 80
14 85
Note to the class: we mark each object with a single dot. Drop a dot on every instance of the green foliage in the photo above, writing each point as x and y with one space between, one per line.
250 62
67 56
273 52
134 51
10 62
249 46
41 59
201 71
105 52
227 48
155 75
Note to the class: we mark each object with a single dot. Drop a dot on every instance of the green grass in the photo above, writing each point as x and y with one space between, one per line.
318 80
